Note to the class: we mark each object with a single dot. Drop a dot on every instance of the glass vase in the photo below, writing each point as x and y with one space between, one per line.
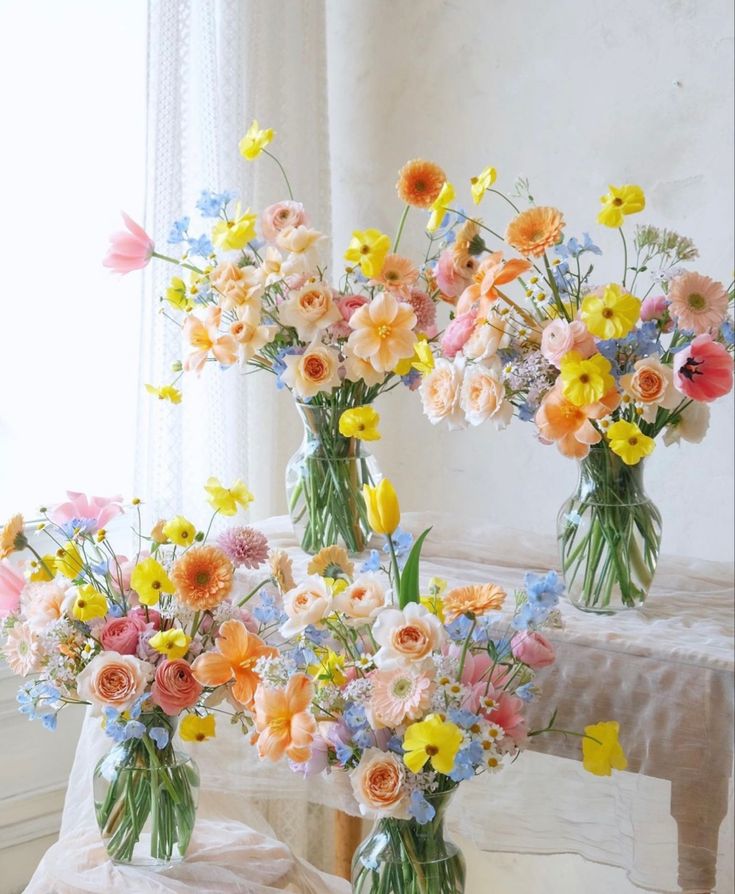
609 535
405 857
324 481
145 800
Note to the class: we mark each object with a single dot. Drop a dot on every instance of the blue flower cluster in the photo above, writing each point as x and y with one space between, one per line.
39 701
543 592
125 725
622 353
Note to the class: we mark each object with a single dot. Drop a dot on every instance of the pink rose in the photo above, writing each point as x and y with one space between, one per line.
347 306
143 621
174 687
532 649
656 307
457 333
560 337
120 635
280 216
449 279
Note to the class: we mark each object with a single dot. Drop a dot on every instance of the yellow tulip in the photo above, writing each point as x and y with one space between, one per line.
384 513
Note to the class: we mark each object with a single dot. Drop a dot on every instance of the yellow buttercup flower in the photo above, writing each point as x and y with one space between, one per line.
196 729
606 754
336 585
619 202
172 643
434 740
149 579
68 561
329 669
611 313
384 513
422 359
361 423
255 140
434 604
42 571
227 499
180 531
88 604
439 208
628 442
176 295
585 381
481 183
368 248
235 233
165 392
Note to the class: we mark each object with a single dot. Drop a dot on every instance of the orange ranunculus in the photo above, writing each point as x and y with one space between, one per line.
559 421
238 651
491 273
283 720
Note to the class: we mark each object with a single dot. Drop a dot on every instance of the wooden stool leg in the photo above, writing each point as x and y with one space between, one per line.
347 836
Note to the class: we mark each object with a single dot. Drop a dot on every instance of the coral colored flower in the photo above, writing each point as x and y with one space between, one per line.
361 423
203 336
21 650
610 312
175 687
483 397
491 273
440 206
628 442
368 249
362 600
560 337
129 251
236 232
283 720
202 577
238 650
173 643
451 278
250 336
703 370
398 274
194 728
420 182
383 509
585 381
88 604
619 202
383 332
434 740
180 531
378 783
652 384
282 570
149 580
244 547
310 310
115 681
690 425
440 392
331 561
397 695
480 184
697 302
279 217
561 422
476 599
602 751
533 649
313 372
95 512
406 635
535 230
308 603
12 538
121 635
255 140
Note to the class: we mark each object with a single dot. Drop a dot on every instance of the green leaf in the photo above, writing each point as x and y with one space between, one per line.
409 588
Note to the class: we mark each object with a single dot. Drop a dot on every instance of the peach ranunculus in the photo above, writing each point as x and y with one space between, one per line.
279 217
559 337
122 634
310 310
479 599
652 384
535 230
491 273
111 680
383 332
483 397
362 600
316 370
238 286
250 336
42 605
203 335
452 279
378 783
302 246
440 392
406 635
175 686
283 720
238 650
561 422
306 604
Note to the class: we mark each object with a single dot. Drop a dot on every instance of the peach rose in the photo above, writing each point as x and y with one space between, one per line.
237 286
362 599
378 783
306 604
440 391
652 384
309 310
112 680
175 687
278 217
406 635
483 397
317 369
560 337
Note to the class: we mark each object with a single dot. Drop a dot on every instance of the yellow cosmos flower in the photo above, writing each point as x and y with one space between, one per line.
44 570
196 729
432 739
149 580
606 754
255 140
422 360
585 381
329 669
176 295
165 392
628 442
619 202
88 604
171 643
68 561
481 183
227 499
611 314
361 423
439 208
180 531
384 513
235 233
368 248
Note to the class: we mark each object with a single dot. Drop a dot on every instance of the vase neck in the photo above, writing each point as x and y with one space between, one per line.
433 829
605 474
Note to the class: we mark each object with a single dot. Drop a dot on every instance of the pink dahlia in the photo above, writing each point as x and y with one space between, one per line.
425 311
703 370
244 546
697 302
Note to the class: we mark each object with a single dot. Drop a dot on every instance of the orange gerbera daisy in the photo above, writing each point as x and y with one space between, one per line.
535 230
492 272
561 422
479 599
202 577
283 720
398 274
420 182
11 536
238 651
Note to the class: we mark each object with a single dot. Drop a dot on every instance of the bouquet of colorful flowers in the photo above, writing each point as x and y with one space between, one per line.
602 369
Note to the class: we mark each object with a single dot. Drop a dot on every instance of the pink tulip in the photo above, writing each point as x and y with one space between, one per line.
131 250
96 511
509 715
703 370
532 649
11 585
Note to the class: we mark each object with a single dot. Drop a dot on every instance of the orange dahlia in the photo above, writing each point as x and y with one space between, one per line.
202 577
420 182
535 230
477 599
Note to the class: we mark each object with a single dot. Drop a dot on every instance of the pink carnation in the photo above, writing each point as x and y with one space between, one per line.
703 370
457 333
280 216
244 546
533 649
425 311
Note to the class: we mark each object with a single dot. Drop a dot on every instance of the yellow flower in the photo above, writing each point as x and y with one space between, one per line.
611 314
180 531
196 729
176 295
12 537
435 604
235 233
165 392
368 248
330 561
384 513
336 585
585 381
619 202
628 442
432 739
606 754
481 183
149 580
172 643
68 561
360 423
42 571
422 360
330 668
255 140
88 604
227 499
439 208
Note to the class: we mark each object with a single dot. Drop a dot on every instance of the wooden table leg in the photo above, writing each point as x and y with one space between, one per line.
347 835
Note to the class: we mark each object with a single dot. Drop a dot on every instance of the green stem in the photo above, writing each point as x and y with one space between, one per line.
401 225
283 171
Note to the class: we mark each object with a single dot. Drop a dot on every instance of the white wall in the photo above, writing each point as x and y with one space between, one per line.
574 94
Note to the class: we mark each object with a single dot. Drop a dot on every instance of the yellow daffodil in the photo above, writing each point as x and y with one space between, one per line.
585 381
196 729
606 754
149 580
68 561
481 183
176 295
361 423
88 604
439 208
432 739
628 442
368 248
329 669
172 643
422 360
619 202
165 392
611 314
180 531
255 140
44 570
235 233
227 499
384 513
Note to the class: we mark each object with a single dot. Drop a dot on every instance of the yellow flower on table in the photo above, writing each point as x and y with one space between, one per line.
628 442
585 381
619 202
255 140
361 423
196 729
180 531
611 313
384 513
172 643
368 249
236 233
434 740
606 753
88 604
149 580
440 206
227 499
480 184
165 392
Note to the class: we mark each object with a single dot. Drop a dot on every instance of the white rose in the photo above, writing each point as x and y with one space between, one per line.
306 604
440 391
483 397
362 599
